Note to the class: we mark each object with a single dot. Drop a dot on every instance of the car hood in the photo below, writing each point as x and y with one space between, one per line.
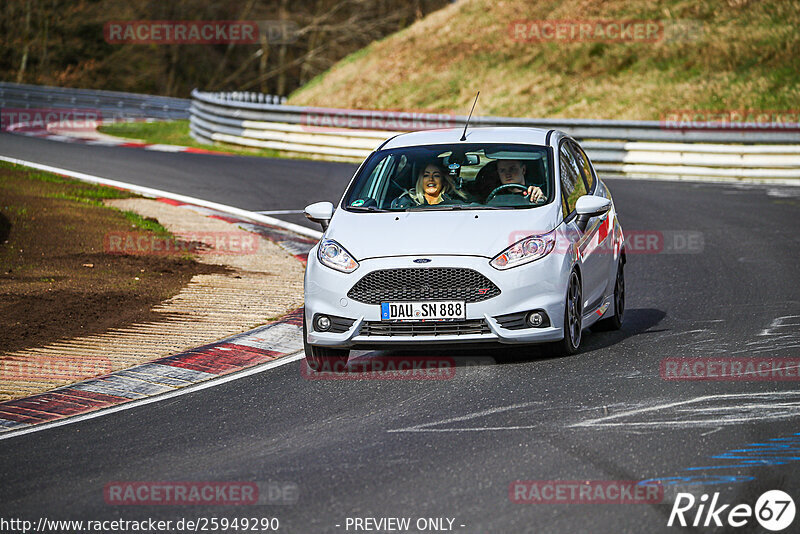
424 233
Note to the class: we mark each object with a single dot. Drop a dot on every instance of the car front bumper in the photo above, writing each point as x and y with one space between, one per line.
539 285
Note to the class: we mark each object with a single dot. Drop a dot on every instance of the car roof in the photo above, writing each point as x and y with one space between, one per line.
528 136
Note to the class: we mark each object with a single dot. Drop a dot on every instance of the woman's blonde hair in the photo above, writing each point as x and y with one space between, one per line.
417 193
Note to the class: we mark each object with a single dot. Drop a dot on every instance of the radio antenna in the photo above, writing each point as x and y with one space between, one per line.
464 135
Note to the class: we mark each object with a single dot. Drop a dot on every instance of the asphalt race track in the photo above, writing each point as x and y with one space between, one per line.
250 183
451 448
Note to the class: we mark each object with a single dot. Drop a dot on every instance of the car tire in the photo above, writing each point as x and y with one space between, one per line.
615 321
323 358
573 318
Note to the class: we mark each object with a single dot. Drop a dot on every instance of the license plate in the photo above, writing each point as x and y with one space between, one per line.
435 310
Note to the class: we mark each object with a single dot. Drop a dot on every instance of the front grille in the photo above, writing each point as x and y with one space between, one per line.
436 283
417 328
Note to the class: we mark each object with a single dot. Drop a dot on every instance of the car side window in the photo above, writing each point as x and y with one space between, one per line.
572 184
375 186
584 165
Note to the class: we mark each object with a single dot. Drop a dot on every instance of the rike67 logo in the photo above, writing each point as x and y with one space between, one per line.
774 510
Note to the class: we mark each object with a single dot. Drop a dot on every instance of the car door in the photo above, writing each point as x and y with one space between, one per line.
573 186
601 229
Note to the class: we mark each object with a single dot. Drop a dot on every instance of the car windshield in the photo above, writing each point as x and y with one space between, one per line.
453 177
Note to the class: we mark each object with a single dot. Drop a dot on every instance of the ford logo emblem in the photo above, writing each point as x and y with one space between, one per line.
422 260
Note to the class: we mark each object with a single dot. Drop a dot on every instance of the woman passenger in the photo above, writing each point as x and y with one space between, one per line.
433 186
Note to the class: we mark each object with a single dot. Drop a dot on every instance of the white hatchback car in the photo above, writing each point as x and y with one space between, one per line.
506 237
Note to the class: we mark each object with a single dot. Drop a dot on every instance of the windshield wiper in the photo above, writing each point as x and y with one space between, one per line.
366 208
459 207
446 207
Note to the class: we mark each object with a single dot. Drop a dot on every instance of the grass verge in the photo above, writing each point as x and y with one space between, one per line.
56 278
176 133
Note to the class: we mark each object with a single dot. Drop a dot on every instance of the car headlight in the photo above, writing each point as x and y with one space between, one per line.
333 255
525 251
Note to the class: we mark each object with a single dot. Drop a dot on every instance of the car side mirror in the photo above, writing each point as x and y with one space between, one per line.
320 212
589 206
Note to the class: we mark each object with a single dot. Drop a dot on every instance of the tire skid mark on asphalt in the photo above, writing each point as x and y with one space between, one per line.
714 411
171 373
705 411
781 335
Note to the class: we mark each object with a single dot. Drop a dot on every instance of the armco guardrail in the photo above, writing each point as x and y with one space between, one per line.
110 104
642 148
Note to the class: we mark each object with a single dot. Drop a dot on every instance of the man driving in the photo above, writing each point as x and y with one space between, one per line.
512 171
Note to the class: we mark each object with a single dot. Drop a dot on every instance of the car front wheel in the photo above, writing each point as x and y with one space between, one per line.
323 358
573 317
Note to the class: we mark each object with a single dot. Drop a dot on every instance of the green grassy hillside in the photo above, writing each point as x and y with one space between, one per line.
717 55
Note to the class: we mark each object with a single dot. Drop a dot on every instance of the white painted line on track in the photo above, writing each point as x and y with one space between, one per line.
278 212
148 191
283 360
425 427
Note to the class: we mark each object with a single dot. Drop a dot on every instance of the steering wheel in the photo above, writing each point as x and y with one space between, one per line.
497 190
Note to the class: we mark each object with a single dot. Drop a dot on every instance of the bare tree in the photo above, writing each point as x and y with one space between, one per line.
61 42
26 36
